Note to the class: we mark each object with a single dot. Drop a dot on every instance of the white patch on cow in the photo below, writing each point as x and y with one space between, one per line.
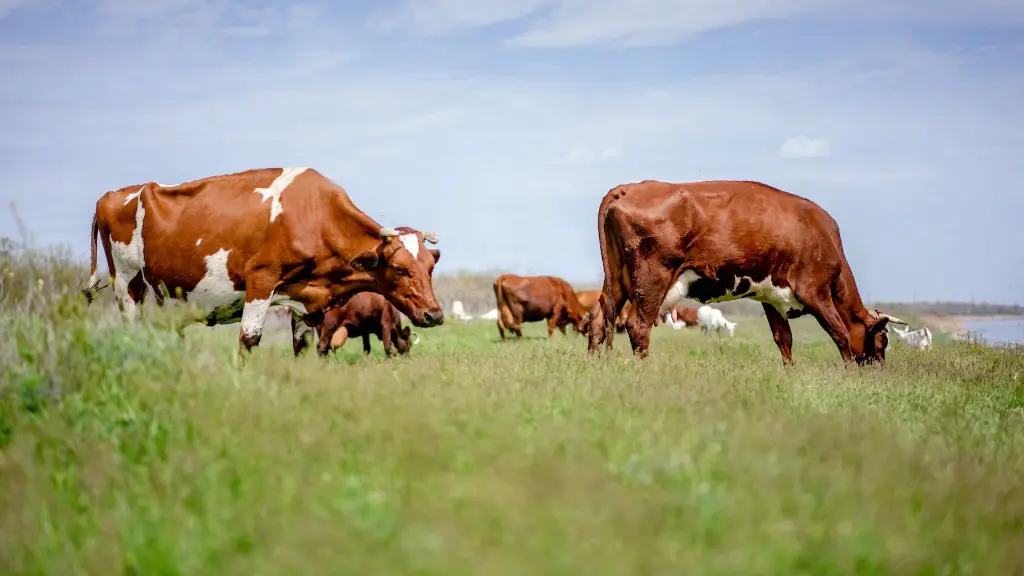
129 258
198 242
215 294
133 196
678 292
782 299
301 328
412 244
254 315
277 187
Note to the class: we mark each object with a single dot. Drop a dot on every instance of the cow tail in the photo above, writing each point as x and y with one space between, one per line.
504 314
611 280
91 286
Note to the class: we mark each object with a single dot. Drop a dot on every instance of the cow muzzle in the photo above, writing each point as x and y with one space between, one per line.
433 317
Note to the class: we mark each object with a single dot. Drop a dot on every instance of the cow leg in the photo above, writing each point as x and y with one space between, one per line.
556 314
259 291
385 339
366 343
302 334
501 324
514 323
655 279
781 332
129 294
831 322
596 330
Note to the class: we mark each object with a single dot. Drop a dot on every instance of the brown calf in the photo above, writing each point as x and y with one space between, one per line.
364 314
239 243
535 298
717 241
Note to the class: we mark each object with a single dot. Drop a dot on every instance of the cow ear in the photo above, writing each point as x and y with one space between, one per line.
365 261
435 253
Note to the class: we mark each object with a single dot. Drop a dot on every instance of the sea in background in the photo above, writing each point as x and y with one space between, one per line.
997 330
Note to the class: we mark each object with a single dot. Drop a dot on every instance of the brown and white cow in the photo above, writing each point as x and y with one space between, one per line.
716 241
238 243
535 298
364 314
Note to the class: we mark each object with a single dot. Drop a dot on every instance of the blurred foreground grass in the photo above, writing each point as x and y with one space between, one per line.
124 449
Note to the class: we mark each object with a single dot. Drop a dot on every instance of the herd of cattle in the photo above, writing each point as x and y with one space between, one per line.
237 245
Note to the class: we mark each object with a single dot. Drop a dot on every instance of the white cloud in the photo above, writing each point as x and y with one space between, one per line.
434 17
649 22
804 147
10 6
561 23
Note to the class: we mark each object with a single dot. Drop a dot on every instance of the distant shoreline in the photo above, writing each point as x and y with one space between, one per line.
956 324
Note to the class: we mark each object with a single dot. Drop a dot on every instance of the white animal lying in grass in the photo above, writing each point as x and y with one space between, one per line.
492 315
920 338
712 319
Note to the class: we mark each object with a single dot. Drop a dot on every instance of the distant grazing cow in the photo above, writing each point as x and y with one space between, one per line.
920 338
717 241
535 298
239 243
712 319
588 298
364 314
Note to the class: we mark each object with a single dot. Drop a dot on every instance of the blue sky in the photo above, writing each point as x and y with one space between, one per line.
501 124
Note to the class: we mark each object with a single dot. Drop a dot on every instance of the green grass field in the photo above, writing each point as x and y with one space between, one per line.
129 450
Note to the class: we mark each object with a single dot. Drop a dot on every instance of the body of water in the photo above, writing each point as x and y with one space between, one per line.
1001 331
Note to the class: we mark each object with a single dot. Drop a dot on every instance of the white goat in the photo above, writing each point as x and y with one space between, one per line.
711 318
459 312
920 338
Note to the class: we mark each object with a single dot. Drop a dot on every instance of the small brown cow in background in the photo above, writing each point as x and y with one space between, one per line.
588 298
535 298
685 314
364 314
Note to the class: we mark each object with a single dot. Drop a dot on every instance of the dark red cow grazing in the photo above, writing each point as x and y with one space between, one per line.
535 298
716 241
364 314
588 298
237 244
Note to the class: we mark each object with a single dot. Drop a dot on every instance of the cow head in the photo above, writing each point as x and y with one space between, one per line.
403 268
876 337
404 338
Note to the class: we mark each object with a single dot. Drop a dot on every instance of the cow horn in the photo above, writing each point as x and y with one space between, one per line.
388 233
415 338
430 237
891 318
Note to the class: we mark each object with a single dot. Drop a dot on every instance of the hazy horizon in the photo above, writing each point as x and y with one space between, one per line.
500 125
